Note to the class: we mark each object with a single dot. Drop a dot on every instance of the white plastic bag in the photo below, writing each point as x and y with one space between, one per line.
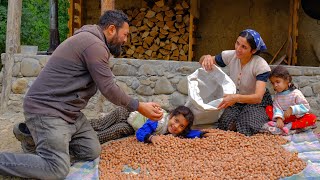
206 90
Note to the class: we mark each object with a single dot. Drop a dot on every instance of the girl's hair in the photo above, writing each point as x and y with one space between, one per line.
187 113
283 73
250 40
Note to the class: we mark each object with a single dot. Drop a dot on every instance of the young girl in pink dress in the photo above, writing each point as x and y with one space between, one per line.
290 107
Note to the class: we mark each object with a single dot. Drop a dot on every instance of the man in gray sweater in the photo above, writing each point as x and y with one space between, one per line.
53 104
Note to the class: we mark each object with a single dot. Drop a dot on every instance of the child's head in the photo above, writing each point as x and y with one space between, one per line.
281 79
181 120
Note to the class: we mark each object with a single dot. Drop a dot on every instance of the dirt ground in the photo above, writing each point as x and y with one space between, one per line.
8 142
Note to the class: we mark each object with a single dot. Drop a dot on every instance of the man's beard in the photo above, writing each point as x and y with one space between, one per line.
114 47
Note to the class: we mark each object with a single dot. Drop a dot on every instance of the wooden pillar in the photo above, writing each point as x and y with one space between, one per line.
107 5
194 13
295 17
12 46
75 16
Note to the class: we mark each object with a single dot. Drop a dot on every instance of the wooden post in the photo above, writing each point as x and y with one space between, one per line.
195 8
75 16
296 5
54 31
71 18
107 5
194 13
12 46
191 40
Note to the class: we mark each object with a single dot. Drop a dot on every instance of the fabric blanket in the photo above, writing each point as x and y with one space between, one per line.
86 170
307 145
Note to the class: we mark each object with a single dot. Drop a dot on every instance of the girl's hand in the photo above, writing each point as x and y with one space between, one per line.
207 62
228 100
288 113
280 123
156 139
208 134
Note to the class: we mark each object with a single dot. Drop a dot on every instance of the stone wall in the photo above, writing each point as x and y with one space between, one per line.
161 81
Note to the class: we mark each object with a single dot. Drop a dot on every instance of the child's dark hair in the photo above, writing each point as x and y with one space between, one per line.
283 73
250 40
187 113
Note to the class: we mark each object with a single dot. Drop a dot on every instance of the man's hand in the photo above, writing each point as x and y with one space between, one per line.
150 110
288 113
207 62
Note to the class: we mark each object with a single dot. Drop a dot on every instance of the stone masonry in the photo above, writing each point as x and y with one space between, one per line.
160 81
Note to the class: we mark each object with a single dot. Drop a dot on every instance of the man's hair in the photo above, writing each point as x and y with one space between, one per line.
113 17
187 113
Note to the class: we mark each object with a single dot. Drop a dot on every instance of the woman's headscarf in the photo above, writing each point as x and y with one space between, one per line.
257 39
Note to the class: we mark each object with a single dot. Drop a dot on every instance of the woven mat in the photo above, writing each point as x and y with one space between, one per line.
307 145
87 170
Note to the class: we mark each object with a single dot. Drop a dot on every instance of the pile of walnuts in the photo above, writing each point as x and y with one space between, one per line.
226 155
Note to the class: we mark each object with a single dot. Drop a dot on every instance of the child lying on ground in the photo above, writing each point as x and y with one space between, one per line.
177 123
290 107
121 123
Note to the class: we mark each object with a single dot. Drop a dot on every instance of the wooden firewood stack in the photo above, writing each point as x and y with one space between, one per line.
159 32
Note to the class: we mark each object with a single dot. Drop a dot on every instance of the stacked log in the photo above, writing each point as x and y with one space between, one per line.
159 32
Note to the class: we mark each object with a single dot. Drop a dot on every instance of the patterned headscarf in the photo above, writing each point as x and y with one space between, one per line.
257 39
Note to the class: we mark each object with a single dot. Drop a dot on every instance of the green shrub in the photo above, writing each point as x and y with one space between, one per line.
35 23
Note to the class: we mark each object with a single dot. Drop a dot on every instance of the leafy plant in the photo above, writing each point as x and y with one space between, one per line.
3 25
35 23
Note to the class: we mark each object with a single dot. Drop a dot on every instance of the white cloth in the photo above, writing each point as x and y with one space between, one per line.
206 90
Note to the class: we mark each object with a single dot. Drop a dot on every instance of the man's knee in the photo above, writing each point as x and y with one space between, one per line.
95 152
90 153
59 170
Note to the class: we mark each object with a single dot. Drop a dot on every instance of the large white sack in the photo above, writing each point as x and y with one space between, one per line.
205 93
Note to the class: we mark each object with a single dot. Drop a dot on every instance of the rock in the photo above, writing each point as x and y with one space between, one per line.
163 86
146 69
145 90
178 99
43 61
307 91
20 86
124 70
183 86
316 88
30 67
16 69
125 88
